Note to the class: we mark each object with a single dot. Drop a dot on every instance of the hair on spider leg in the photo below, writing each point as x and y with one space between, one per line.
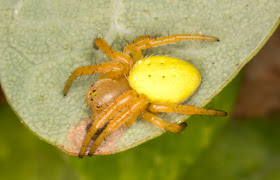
210 108
146 32
92 56
191 33
211 118
195 104
149 55
126 41
91 63
202 117
113 43
168 33
69 72
126 75
155 36
90 76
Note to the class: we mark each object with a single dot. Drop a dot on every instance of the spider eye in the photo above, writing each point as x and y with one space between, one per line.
93 93
98 106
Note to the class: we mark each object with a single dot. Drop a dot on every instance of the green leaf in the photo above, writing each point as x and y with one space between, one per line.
42 42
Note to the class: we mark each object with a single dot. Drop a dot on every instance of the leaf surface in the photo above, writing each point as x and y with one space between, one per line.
42 42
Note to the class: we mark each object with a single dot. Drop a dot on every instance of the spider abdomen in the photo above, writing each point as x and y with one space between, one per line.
164 79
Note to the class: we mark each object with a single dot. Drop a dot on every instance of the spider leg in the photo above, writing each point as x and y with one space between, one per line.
189 110
134 108
115 69
153 119
114 55
146 42
131 48
131 120
106 115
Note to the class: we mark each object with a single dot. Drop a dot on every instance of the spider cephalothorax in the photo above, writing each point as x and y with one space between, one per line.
131 86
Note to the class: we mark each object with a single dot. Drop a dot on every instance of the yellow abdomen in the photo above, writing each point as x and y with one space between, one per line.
164 79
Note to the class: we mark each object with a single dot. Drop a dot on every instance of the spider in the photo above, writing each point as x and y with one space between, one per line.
131 86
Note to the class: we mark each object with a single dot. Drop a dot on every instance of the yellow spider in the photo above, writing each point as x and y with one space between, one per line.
132 86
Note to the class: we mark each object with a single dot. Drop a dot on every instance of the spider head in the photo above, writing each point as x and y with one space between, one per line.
104 92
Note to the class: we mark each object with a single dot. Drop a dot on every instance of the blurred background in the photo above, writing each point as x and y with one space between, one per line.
246 146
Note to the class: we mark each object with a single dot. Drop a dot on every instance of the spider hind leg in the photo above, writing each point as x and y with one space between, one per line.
182 109
114 55
172 127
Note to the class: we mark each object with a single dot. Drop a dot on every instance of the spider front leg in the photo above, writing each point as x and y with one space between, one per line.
131 112
188 110
114 55
113 69
106 115
132 48
146 42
